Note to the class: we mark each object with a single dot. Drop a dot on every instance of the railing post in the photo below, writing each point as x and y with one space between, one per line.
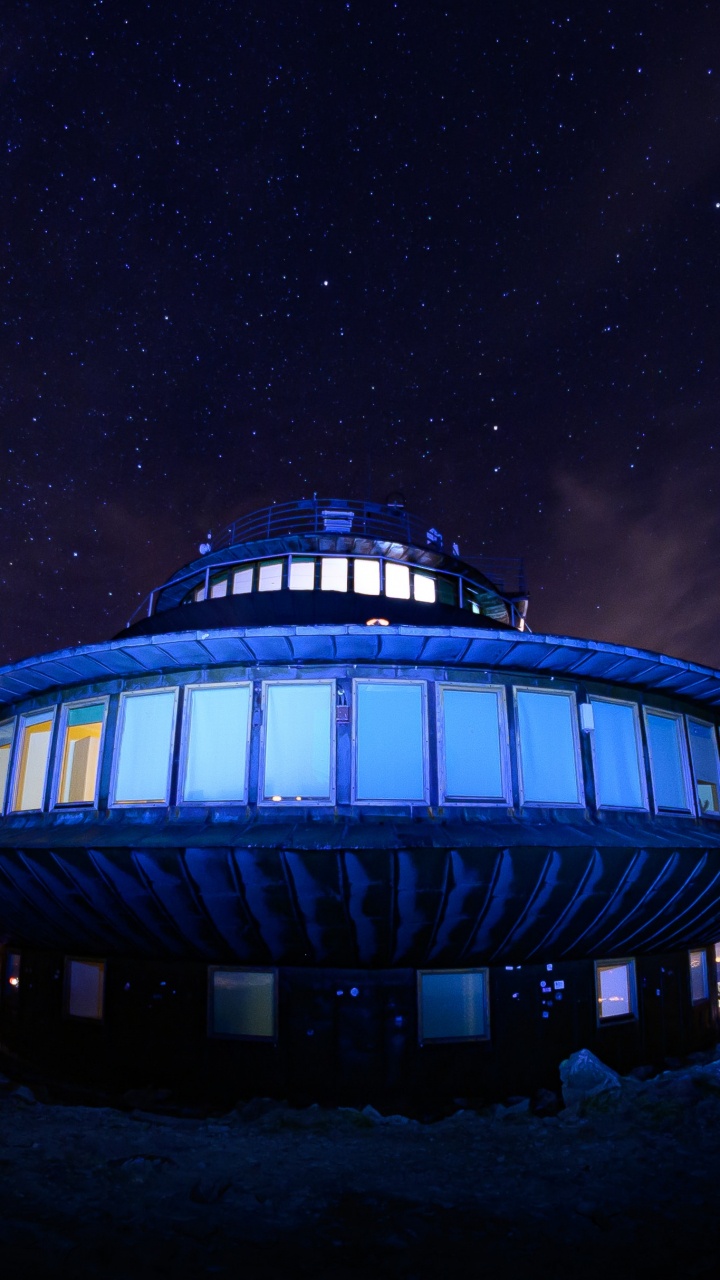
151 601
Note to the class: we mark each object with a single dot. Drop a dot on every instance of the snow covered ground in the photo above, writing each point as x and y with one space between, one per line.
623 1182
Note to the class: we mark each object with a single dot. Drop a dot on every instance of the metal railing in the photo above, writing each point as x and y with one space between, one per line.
331 515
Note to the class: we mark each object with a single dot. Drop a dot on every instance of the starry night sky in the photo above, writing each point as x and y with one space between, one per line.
470 251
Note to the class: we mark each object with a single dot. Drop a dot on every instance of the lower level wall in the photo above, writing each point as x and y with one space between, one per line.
346 1036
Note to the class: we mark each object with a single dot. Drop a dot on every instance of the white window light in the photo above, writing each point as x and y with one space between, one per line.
143 752
242 582
302 574
270 577
334 573
615 989
32 762
298 763
199 593
397 580
367 577
218 589
424 588
215 748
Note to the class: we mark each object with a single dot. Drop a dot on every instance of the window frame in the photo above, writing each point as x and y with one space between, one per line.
22 719
425 800
499 690
699 951
5 799
622 1019
262 801
642 770
424 1041
707 724
81 1017
230 1035
549 804
188 691
56 803
688 778
123 697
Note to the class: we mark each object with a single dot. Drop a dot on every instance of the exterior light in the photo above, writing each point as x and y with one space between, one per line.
276 798
377 622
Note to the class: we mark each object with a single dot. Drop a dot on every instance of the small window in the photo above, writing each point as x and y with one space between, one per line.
447 591
298 742
199 593
270 578
668 760
218 589
389 741
334 573
242 1003
619 776
703 750
397 581
548 747
80 753
424 588
615 988
12 970
367 577
6 737
242 582
302 574
453 1005
35 734
85 989
699 989
472 746
217 721
144 753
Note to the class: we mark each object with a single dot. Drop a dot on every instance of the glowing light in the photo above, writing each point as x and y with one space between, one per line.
276 798
377 622
14 982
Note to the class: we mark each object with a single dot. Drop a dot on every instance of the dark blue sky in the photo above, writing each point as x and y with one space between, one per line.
252 251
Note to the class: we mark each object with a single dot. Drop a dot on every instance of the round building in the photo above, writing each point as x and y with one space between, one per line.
329 822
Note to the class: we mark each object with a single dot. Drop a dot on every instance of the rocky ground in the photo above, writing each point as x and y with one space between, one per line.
624 1180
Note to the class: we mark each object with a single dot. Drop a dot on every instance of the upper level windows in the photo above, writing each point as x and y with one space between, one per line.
619 776
390 741
6 737
549 756
217 733
81 735
472 744
299 742
704 753
668 760
143 752
31 767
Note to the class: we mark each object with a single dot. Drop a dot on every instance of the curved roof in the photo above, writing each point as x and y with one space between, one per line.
138 655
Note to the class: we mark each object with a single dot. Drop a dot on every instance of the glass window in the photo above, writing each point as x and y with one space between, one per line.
270 578
397 581
242 582
35 733
667 761
453 1005
145 747
242 1003
703 749
215 766
298 741
302 574
218 589
367 577
85 988
6 737
199 593
616 754
334 573
80 753
472 744
615 988
447 592
699 989
548 747
389 733
424 588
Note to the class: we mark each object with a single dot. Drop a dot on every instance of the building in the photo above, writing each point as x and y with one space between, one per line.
330 822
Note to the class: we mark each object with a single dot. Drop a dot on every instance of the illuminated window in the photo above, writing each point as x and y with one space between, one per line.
549 754
144 754
302 574
334 573
217 719
6 737
299 741
85 989
472 744
35 733
453 1005
389 741
619 774
270 577
615 989
242 1003
397 581
424 588
668 760
699 989
218 589
703 750
367 577
242 582
199 593
80 753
